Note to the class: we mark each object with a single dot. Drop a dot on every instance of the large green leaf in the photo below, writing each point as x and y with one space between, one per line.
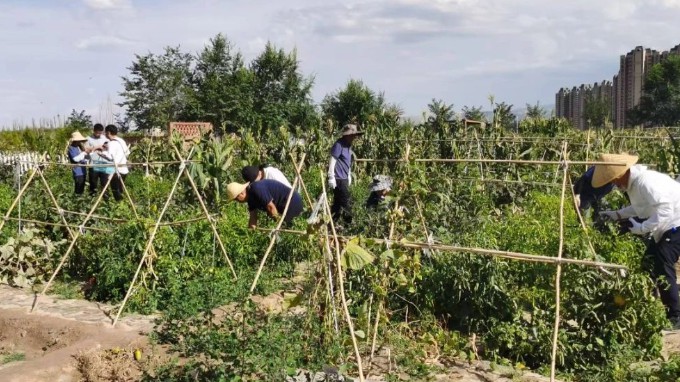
354 256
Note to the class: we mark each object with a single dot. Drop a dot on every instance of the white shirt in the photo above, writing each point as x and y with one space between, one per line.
119 151
274 173
96 142
653 196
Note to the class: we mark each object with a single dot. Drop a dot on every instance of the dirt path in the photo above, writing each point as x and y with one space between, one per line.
62 339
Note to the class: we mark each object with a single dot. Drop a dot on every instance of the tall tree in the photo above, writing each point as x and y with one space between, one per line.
159 89
660 101
355 103
597 112
281 94
536 112
473 113
504 117
222 85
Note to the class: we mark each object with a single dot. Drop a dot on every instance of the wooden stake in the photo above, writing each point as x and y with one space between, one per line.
558 274
149 242
210 220
341 283
304 188
73 242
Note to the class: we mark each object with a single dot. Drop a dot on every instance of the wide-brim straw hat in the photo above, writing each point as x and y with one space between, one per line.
77 137
605 173
235 188
351 129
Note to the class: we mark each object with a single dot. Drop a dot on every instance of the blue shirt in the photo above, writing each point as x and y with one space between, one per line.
587 192
262 192
73 152
343 154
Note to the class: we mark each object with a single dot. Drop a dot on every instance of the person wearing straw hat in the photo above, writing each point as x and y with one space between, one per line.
655 197
78 156
380 187
266 195
588 196
339 173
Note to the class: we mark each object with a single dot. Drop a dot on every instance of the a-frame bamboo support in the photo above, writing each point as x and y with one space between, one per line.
21 193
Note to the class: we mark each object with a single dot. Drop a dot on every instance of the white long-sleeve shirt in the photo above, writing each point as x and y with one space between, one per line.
274 173
119 151
653 196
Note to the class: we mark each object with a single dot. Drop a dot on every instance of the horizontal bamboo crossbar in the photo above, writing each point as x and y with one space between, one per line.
89 165
56 224
479 251
173 223
482 160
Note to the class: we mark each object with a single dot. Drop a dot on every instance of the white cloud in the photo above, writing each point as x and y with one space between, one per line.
107 4
103 42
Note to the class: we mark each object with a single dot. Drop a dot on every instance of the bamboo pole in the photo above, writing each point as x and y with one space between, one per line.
39 222
558 272
272 240
54 201
478 251
73 243
20 194
210 220
341 283
149 241
90 165
481 160
302 184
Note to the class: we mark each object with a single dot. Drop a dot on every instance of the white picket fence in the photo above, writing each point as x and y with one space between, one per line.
26 161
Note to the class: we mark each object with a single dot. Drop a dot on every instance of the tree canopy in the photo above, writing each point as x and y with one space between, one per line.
660 101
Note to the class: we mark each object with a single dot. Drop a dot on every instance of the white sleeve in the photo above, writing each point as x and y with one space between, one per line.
627 212
80 157
331 168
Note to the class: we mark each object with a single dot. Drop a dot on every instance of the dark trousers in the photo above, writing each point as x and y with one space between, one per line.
101 178
294 209
79 183
117 186
93 178
342 202
664 255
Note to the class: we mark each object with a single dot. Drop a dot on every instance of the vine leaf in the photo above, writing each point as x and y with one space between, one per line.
354 256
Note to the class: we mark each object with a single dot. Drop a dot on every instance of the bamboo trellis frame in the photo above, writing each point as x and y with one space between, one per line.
557 261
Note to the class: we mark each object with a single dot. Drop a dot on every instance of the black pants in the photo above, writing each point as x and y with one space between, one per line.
93 178
117 186
342 202
294 209
101 178
79 183
664 255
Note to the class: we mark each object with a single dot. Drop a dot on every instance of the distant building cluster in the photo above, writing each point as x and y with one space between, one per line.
621 94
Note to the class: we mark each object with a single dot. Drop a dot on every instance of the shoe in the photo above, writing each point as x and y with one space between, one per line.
674 324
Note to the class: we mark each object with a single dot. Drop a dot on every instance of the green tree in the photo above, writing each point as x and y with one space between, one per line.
222 85
660 101
159 89
281 94
504 117
79 120
597 111
473 113
355 103
536 112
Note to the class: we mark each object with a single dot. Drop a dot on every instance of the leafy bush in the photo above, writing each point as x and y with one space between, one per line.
27 259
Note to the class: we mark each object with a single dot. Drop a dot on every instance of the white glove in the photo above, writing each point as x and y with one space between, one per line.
332 183
636 229
610 215
349 179
577 200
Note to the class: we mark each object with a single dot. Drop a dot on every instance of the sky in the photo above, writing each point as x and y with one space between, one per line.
59 55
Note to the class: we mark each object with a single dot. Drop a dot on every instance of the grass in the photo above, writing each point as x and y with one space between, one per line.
12 357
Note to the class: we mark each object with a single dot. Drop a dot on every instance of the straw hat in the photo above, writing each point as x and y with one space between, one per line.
234 189
605 173
351 129
77 137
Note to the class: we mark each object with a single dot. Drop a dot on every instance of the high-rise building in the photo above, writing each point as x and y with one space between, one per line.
572 103
624 91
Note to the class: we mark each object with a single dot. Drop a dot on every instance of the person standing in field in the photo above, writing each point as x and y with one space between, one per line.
340 176
266 195
655 197
119 152
253 174
94 142
102 168
77 155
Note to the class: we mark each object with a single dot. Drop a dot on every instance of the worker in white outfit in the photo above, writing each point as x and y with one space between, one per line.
253 174
655 197
119 152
